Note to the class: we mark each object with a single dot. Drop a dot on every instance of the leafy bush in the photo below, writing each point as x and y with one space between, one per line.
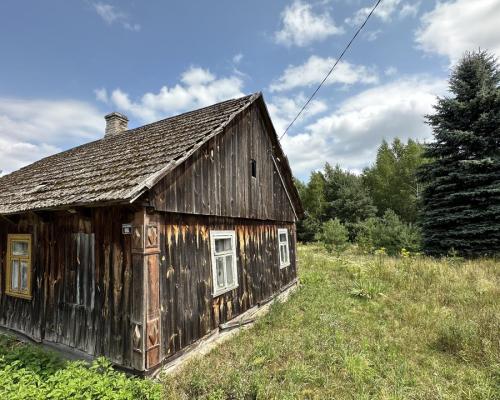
388 232
333 235
28 372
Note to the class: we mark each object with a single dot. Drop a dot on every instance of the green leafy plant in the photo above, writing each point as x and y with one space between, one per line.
388 232
333 235
29 372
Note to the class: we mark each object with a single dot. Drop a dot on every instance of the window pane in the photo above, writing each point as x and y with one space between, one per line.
283 238
14 278
219 266
19 248
282 254
229 270
287 255
24 275
222 245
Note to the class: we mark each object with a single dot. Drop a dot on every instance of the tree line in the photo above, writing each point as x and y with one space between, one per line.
442 197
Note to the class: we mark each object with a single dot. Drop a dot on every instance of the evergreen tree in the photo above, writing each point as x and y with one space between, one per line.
461 201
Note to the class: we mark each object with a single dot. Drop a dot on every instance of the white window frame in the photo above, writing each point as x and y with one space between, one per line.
286 263
223 235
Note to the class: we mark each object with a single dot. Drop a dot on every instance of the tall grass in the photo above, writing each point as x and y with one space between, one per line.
364 327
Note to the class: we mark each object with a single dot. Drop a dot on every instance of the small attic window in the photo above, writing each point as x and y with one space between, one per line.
253 167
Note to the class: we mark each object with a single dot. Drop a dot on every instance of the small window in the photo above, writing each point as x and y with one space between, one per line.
253 165
224 272
18 279
283 246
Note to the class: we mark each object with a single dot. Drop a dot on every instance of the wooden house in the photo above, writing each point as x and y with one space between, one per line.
137 245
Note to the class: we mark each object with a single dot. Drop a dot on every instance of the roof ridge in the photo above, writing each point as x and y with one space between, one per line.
185 113
116 169
128 131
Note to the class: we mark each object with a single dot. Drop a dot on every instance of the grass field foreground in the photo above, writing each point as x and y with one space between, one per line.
364 327
359 327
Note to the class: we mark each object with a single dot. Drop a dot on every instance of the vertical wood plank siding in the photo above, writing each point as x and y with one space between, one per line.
217 179
138 299
82 281
188 309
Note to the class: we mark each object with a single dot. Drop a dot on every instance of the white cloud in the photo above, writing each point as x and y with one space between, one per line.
32 129
197 76
454 27
284 109
301 25
391 71
15 155
110 14
350 135
315 69
409 10
237 58
385 11
198 88
372 35
101 95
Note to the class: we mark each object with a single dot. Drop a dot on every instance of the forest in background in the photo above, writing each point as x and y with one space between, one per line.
376 209
440 198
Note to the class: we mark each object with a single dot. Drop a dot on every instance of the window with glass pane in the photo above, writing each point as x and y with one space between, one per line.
283 248
223 261
18 282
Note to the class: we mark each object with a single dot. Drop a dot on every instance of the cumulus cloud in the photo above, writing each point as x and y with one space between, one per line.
301 25
15 155
284 109
350 134
391 71
110 14
385 11
409 10
32 129
454 27
198 88
372 35
314 70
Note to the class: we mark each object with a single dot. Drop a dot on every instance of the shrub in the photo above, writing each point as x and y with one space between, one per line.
333 235
388 232
307 228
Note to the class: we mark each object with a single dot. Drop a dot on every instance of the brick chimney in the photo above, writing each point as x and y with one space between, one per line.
115 123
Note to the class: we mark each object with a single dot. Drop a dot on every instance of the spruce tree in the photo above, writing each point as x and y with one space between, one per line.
461 200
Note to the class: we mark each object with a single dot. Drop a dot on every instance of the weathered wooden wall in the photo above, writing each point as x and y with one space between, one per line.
82 281
188 309
138 299
217 179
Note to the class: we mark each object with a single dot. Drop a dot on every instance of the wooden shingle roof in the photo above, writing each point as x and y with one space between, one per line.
116 168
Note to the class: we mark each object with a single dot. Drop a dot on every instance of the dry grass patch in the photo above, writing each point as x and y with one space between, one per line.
364 327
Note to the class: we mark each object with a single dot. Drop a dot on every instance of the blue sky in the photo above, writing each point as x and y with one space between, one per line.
65 64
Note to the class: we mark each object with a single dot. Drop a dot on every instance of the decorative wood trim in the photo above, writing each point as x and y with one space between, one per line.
284 187
215 234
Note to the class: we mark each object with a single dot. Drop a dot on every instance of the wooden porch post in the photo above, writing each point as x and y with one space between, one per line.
146 288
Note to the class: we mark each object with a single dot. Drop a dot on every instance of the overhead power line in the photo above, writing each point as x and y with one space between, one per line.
331 69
